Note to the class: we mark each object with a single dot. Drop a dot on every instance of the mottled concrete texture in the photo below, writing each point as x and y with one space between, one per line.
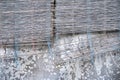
59 40
65 61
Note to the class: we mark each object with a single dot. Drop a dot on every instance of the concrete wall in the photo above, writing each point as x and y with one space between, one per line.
91 54
38 20
68 59
77 16
26 21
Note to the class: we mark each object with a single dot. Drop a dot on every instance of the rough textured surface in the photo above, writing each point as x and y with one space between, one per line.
78 16
25 21
73 56
64 61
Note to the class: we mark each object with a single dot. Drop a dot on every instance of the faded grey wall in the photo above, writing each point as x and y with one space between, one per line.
85 40
67 60
25 21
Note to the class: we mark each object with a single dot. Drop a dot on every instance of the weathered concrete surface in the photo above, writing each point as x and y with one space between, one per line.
25 21
35 21
64 61
105 68
78 16
93 56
